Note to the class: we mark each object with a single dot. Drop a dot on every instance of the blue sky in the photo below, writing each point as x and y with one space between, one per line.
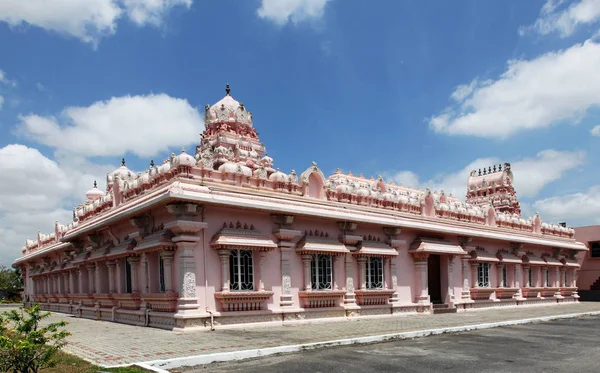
420 92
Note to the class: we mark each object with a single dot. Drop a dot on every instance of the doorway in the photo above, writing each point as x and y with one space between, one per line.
434 279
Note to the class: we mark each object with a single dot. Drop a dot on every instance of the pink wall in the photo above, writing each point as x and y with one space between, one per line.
590 268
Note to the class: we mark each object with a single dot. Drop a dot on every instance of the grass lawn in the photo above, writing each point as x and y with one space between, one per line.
66 363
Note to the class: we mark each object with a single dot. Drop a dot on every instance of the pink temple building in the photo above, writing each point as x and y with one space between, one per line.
223 237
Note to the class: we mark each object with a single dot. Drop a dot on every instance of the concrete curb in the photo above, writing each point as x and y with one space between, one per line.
160 366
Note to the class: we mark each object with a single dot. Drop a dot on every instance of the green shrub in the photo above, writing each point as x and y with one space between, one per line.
25 346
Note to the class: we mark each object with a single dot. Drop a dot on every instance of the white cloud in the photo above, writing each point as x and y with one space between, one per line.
564 21
4 79
88 20
557 86
283 11
531 174
152 12
141 125
595 131
36 191
577 208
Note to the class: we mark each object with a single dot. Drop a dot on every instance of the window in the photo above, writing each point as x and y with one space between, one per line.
127 276
546 277
504 277
374 275
241 274
595 249
320 272
483 275
529 277
161 274
565 279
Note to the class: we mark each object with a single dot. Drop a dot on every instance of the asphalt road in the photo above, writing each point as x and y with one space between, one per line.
570 345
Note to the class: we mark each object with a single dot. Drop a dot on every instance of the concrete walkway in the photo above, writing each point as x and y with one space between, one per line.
110 344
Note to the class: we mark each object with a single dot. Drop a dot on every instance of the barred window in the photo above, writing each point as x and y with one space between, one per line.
374 275
241 273
161 274
529 277
546 277
565 279
320 272
483 275
504 277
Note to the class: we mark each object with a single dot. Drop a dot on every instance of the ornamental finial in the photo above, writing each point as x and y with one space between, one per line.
227 89
123 162
95 185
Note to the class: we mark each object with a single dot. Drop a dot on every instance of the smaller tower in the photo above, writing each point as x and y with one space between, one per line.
493 187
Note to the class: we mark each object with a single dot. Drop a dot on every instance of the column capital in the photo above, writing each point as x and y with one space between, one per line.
284 234
283 221
464 240
224 253
167 254
133 259
110 263
306 258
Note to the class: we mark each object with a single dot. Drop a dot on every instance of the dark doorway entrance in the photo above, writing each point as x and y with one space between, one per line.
434 278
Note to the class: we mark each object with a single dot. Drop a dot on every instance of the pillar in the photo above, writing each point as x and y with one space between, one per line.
450 292
111 275
466 288
66 282
526 271
80 280
134 261
337 262
306 260
98 279
349 297
145 285
474 274
500 271
119 267
91 287
540 281
261 281
362 265
556 277
72 289
563 279
59 284
422 285
224 258
386 272
167 257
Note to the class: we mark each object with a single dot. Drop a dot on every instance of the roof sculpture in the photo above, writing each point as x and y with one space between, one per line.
231 154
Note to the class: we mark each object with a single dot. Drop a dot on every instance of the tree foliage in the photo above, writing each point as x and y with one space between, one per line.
11 281
25 345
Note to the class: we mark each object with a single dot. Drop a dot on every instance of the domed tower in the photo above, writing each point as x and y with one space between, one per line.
230 140
493 187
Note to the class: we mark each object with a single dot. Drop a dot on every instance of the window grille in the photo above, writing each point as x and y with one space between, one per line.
594 249
565 279
529 277
483 275
241 271
374 275
505 276
321 273
546 277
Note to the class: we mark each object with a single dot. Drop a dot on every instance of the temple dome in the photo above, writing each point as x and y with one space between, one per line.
184 159
94 193
123 172
228 109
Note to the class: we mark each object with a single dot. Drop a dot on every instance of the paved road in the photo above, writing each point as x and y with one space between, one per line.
570 345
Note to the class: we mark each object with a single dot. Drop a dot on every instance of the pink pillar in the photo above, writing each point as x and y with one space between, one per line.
362 263
306 259
261 282
134 262
167 257
111 275
466 289
224 257
499 272
450 292
90 268
422 285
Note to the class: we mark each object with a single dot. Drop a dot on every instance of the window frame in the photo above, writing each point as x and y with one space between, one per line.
321 272
504 276
594 249
483 275
241 270
374 273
